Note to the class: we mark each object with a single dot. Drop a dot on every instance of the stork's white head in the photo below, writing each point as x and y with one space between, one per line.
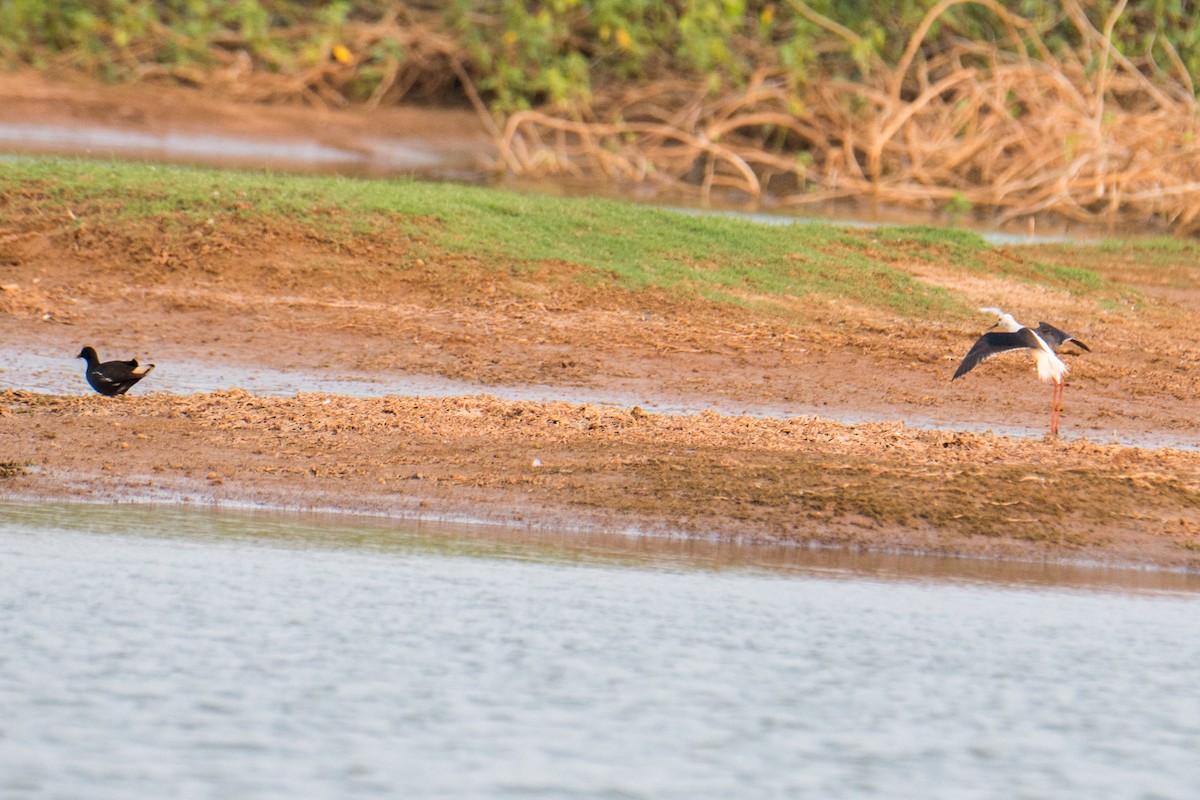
1005 321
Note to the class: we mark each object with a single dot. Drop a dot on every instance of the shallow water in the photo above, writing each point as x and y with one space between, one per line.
60 374
375 157
184 653
430 158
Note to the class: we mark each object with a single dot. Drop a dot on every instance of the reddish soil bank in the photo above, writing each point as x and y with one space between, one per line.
282 297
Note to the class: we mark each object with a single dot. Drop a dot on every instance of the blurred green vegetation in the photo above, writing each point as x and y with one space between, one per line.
522 53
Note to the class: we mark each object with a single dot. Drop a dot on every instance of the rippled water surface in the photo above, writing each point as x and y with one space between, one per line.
165 653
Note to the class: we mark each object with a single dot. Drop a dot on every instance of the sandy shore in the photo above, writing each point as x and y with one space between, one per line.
257 295
870 486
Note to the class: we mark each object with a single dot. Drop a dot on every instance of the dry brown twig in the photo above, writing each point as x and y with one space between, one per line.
1007 133
1084 134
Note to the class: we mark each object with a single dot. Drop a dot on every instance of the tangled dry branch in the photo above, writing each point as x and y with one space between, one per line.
1012 129
384 62
1083 134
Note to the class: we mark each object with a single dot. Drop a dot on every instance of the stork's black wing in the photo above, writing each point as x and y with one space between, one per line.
995 343
1056 337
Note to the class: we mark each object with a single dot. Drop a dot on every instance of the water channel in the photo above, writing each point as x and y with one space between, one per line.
39 368
159 652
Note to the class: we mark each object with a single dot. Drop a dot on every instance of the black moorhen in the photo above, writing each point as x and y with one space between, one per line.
112 377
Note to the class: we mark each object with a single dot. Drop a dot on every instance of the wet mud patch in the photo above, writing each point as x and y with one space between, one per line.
368 297
803 480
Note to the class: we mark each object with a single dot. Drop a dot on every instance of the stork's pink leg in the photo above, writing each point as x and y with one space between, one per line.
1056 415
1054 410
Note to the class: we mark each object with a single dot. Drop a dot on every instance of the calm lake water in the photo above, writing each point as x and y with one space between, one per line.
154 653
